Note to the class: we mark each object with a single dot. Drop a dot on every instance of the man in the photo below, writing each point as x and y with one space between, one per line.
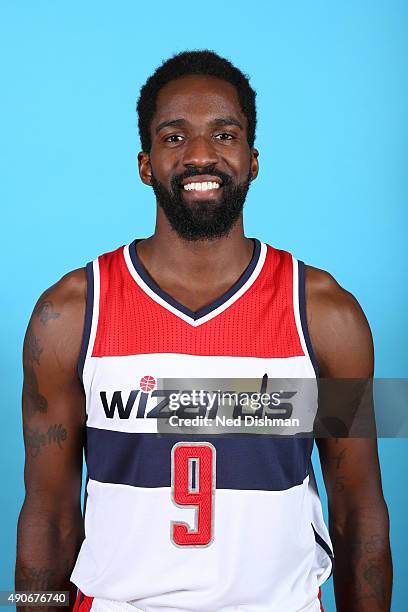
183 522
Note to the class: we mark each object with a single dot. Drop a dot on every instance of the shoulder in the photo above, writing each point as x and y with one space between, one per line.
324 291
56 323
66 297
338 327
68 290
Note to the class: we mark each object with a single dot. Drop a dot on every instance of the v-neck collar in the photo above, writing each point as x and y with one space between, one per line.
145 281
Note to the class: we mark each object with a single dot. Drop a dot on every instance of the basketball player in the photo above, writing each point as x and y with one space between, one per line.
203 523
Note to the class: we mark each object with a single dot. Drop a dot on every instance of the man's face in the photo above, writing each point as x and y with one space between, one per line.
200 164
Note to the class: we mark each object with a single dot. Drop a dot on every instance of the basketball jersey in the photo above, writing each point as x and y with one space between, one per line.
196 523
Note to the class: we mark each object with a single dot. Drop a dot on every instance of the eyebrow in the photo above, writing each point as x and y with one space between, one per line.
170 123
219 121
227 121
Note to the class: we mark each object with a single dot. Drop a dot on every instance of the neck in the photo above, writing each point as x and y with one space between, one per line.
174 262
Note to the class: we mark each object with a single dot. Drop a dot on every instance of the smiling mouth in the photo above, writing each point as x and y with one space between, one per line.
201 186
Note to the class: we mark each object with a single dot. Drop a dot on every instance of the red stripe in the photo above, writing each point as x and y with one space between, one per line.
320 600
82 603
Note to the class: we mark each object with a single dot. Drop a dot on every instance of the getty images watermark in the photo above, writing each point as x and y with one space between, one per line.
247 407
236 406
305 407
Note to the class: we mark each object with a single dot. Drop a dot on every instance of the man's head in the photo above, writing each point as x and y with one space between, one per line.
197 121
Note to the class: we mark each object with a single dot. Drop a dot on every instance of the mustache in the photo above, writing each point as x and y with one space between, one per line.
225 178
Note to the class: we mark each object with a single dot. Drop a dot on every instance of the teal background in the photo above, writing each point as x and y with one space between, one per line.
332 133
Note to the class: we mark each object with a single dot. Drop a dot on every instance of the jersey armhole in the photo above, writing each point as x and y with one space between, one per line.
299 299
91 316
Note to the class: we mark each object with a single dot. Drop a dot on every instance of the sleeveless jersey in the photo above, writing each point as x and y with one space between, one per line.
196 523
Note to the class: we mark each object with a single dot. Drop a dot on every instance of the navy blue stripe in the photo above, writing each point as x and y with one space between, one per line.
245 463
303 317
325 547
88 318
207 309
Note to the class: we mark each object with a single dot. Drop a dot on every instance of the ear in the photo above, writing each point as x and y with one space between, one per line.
254 164
145 170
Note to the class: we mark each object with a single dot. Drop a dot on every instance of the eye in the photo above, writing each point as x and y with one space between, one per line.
224 136
173 138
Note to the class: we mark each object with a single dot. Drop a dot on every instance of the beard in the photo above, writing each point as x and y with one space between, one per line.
204 219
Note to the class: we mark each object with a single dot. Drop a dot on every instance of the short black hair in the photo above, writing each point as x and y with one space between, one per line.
194 62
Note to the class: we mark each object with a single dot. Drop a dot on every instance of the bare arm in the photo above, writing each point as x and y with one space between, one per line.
50 526
359 523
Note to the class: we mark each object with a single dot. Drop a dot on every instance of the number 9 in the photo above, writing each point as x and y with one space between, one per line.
193 484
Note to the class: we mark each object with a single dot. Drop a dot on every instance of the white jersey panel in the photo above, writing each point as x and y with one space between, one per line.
191 578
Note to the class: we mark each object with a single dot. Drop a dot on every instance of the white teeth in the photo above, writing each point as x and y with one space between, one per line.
201 186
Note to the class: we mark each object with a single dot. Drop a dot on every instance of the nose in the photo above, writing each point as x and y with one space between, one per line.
199 152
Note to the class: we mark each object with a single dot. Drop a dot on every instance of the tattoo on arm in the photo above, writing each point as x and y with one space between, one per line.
45 312
375 544
372 574
339 458
36 579
35 439
33 401
339 484
34 348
